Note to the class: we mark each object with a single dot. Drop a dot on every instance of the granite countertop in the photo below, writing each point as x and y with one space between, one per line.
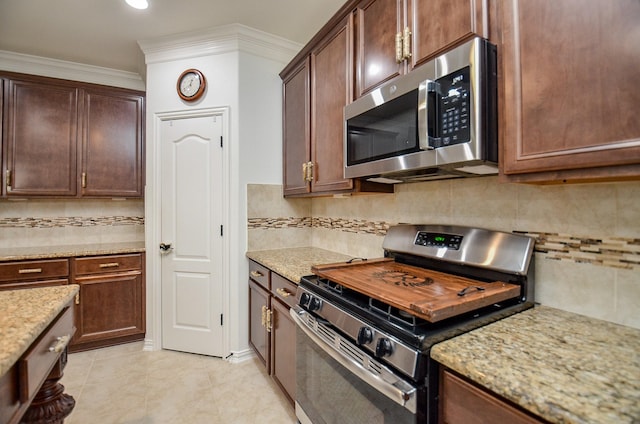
563 367
66 251
24 314
294 263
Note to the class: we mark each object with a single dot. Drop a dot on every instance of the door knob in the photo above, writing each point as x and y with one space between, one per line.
165 247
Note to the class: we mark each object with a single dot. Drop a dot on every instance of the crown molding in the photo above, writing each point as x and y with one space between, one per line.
219 40
55 68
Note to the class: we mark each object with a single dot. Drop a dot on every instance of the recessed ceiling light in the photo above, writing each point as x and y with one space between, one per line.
138 4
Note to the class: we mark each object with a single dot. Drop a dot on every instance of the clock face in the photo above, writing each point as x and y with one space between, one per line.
191 85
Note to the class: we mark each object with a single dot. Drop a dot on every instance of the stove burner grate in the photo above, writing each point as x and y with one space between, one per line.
395 315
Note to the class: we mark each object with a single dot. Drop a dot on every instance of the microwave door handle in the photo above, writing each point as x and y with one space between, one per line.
428 99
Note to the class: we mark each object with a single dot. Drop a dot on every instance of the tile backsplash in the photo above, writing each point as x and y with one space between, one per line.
587 254
35 222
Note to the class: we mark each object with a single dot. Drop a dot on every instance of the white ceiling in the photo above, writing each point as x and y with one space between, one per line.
105 32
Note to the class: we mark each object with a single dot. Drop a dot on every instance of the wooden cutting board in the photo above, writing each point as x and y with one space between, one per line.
428 294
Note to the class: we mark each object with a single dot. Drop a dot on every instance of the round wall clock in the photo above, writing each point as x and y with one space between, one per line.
191 85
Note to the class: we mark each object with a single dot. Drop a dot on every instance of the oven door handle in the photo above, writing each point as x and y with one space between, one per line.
392 386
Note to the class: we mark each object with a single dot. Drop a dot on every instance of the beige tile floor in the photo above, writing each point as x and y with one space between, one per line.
124 384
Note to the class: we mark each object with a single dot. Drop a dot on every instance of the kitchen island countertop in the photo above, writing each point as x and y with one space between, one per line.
24 315
294 263
561 366
67 251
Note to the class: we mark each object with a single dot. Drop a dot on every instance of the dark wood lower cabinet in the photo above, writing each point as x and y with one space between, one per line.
272 332
111 304
258 334
462 402
30 392
283 348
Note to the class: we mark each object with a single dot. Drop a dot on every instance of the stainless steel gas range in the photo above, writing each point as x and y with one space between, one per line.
365 327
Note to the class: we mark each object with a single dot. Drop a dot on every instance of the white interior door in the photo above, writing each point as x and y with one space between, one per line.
192 181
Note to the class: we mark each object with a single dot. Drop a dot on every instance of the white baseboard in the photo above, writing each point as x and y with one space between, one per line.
240 356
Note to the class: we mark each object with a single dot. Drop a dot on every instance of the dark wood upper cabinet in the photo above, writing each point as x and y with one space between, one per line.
296 129
112 144
40 138
394 37
330 91
316 87
69 139
438 25
376 25
570 71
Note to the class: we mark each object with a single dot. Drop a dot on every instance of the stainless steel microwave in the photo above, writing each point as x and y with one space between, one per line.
439 121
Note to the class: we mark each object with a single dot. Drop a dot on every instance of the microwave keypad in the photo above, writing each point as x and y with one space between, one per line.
454 107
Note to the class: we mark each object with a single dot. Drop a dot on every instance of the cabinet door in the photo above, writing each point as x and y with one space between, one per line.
111 307
41 139
330 76
258 335
112 144
377 23
296 129
283 349
570 71
438 25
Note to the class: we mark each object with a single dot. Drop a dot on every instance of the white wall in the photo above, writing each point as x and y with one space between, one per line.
241 67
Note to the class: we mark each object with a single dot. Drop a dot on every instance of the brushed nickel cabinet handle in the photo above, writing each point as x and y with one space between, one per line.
30 271
282 292
399 47
60 344
84 180
8 178
269 320
110 265
256 274
406 43
263 322
310 166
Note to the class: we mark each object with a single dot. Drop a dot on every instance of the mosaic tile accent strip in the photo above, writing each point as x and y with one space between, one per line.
616 252
360 226
70 221
270 223
613 252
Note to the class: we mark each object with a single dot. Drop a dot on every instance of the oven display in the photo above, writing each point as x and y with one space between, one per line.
450 241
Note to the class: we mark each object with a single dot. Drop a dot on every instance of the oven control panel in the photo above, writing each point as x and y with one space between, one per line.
450 241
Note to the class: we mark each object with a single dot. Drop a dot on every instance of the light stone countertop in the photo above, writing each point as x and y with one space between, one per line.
24 314
294 263
563 367
8 254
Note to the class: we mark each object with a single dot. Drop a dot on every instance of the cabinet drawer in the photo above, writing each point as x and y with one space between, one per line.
259 274
283 289
105 264
38 361
31 270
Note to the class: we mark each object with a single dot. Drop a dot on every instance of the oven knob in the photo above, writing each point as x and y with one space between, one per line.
304 299
365 335
315 304
383 348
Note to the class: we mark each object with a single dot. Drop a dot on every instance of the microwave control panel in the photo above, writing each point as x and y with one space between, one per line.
454 110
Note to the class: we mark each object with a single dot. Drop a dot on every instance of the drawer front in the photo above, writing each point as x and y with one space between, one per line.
107 264
38 361
259 274
283 289
34 270
13 285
